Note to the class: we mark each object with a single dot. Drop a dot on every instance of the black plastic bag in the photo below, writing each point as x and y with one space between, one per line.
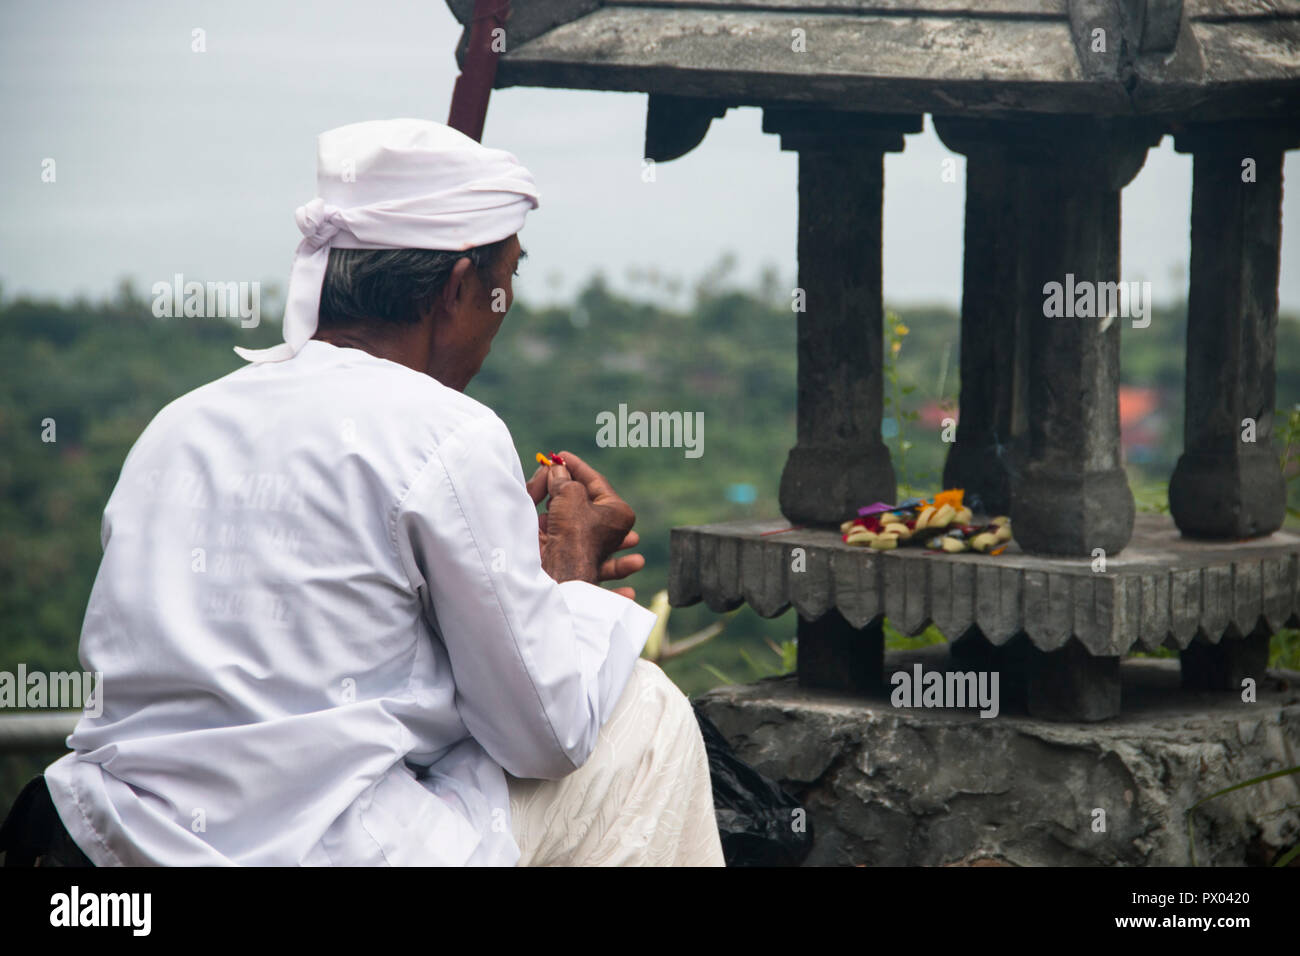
756 818
33 835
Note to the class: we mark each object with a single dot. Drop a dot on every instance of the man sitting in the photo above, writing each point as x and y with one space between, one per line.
331 627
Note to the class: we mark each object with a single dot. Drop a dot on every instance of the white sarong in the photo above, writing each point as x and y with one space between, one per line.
643 798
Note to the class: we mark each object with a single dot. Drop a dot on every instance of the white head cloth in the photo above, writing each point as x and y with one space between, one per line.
397 184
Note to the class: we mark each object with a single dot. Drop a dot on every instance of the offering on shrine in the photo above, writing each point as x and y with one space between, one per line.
942 524
885 541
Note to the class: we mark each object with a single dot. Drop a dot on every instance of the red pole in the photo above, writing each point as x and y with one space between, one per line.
469 97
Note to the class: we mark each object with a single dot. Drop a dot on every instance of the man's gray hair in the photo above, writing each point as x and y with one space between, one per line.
370 286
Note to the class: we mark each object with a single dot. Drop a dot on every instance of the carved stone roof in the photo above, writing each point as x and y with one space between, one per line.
1182 59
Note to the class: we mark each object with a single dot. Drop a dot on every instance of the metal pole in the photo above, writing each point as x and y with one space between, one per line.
26 733
469 97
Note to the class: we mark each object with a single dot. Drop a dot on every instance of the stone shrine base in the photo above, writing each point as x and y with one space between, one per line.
888 786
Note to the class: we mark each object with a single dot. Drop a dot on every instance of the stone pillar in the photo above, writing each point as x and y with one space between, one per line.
1067 684
1072 495
1227 485
835 655
839 461
993 344
1223 666
1071 685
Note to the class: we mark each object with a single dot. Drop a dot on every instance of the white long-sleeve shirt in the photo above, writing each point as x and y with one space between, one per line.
324 630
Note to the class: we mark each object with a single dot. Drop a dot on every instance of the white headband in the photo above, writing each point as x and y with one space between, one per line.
397 184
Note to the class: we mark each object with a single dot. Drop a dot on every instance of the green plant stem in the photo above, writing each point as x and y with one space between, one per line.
1191 835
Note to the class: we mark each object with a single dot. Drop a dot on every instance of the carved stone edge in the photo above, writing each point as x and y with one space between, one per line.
1110 613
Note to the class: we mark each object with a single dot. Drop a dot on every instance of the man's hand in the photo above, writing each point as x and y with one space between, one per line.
585 524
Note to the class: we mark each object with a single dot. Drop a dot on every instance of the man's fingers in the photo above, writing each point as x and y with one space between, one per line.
542 522
557 476
622 566
631 541
591 479
629 593
536 485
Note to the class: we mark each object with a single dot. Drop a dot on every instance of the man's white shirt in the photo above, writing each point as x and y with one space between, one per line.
324 630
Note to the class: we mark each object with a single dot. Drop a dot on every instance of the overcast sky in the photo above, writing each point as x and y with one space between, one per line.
173 161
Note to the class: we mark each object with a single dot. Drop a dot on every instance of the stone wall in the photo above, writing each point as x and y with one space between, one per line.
888 786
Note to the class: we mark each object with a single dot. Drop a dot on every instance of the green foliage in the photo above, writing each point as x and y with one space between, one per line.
1288 428
896 640
760 665
1151 497
1284 650
902 416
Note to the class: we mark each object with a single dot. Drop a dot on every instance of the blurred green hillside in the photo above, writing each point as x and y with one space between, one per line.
102 370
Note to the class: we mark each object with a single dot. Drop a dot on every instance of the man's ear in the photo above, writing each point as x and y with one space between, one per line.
457 290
